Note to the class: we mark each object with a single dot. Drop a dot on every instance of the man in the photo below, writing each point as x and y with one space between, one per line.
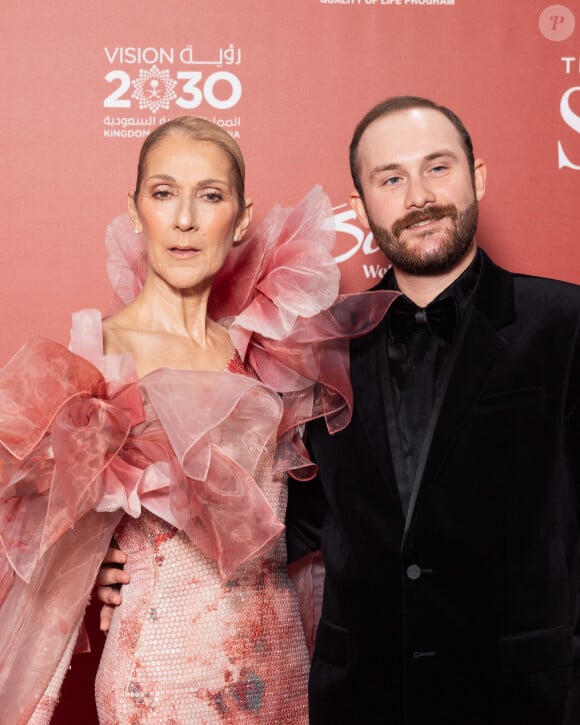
449 524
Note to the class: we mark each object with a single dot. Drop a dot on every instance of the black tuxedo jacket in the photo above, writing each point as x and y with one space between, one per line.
464 612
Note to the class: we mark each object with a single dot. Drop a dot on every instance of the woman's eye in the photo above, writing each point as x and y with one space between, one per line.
212 195
161 194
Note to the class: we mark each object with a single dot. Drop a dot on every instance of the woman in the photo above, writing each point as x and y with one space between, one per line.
173 423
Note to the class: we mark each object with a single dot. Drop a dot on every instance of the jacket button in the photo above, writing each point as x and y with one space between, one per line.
413 572
420 655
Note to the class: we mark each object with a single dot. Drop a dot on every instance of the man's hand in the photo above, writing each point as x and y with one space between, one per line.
109 581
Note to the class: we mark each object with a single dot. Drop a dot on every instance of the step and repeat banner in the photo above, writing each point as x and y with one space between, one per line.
82 85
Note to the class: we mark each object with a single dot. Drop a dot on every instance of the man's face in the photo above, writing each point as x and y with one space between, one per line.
420 196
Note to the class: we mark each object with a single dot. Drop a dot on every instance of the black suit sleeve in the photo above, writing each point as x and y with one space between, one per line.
573 457
305 516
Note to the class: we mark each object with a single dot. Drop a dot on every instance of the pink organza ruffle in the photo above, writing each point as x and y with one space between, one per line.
278 294
219 425
51 539
192 463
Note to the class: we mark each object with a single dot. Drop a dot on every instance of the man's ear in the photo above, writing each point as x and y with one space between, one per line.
358 206
479 177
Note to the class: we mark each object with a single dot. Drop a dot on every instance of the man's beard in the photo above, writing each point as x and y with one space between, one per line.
448 252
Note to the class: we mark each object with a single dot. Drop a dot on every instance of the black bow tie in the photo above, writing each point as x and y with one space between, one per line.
404 318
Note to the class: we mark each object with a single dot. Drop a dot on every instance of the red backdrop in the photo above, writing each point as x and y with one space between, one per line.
82 83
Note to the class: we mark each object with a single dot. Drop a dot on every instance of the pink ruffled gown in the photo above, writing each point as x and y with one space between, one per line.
186 647
189 470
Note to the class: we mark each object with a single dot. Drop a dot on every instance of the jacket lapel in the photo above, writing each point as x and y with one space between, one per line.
369 374
479 347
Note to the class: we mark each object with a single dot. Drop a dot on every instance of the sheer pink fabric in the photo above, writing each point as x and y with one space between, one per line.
76 455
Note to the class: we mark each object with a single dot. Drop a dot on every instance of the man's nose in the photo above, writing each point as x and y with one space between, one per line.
419 192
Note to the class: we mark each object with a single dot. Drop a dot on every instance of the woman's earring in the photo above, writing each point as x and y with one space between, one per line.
236 237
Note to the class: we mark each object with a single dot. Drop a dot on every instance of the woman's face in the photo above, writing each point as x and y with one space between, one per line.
188 211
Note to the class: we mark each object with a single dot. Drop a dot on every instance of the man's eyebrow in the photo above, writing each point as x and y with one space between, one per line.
439 154
384 167
395 166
